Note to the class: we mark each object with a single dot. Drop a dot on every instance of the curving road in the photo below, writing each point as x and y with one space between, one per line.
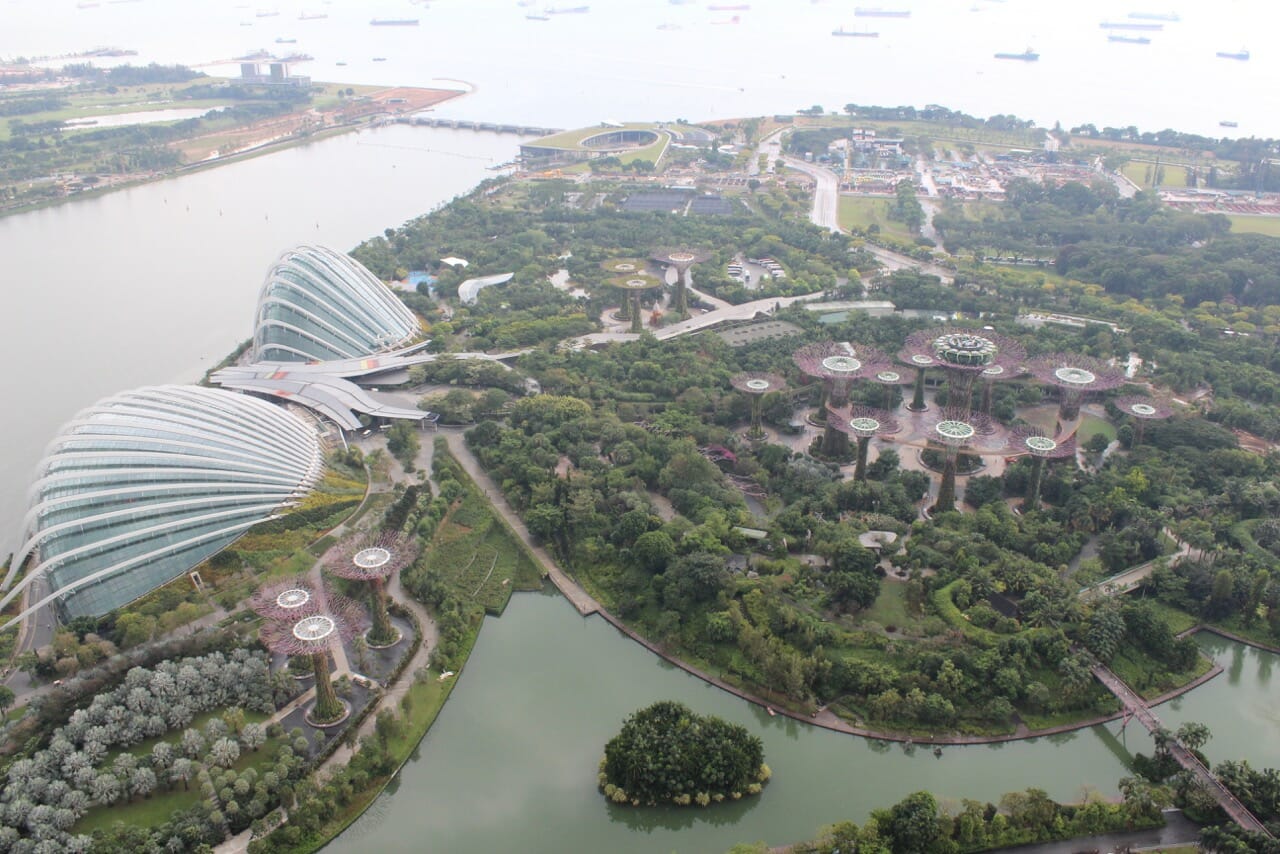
826 193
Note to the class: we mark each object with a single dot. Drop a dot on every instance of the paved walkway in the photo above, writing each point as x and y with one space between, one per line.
1178 830
1137 707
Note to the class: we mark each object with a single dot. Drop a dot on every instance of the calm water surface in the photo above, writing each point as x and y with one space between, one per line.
510 763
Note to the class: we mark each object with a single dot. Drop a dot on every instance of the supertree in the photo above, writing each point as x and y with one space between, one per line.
636 284
308 622
964 354
862 423
1074 375
756 385
892 380
373 560
838 365
682 259
623 267
956 429
1032 440
1143 409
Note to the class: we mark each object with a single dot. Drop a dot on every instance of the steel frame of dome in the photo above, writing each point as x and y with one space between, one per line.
318 305
144 485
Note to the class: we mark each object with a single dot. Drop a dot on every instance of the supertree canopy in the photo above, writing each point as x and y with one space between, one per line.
301 619
838 365
1074 375
956 429
862 423
1143 409
1034 441
373 560
892 380
682 259
757 385
964 354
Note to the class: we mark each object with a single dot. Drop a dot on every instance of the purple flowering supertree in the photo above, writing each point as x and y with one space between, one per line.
838 366
756 385
373 560
301 619
964 354
1074 375
1034 441
862 423
682 259
1143 409
892 379
956 429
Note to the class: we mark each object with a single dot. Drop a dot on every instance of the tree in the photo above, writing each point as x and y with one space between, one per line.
6 699
224 752
106 788
653 550
913 824
254 735
142 782
1193 735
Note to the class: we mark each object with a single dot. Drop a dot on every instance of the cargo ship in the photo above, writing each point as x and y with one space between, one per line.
1155 16
394 22
1130 25
312 16
283 40
1242 55
1113 37
1226 124
876 12
1027 55
569 10
723 7
861 34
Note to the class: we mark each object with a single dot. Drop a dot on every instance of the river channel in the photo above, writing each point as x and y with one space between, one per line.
510 763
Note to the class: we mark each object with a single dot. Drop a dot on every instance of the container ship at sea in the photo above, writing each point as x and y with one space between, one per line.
1131 25
861 34
1242 55
1115 37
394 22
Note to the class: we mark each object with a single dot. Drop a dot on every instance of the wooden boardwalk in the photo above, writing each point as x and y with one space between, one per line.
1136 707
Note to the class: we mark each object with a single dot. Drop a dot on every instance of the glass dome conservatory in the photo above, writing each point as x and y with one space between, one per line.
142 486
319 305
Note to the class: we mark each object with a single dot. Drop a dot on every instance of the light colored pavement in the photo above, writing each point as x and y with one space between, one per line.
826 193
698 323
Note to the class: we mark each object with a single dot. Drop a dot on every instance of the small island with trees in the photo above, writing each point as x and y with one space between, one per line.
666 753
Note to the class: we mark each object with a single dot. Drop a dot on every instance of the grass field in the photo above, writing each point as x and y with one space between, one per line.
890 608
1149 677
1268 225
1141 172
1090 426
862 213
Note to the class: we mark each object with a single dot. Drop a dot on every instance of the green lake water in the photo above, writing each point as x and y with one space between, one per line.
510 764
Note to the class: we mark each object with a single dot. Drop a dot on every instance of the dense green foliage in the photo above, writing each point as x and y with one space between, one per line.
666 753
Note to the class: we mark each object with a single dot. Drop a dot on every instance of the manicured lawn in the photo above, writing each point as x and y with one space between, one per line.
1177 619
862 213
1151 678
890 608
1091 425
1269 225
1140 173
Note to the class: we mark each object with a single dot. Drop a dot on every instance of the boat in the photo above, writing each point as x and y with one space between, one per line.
282 40
379 59
266 13
877 12
393 22
1115 37
1155 16
668 26
1130 25
725 7
1027 55
770 710
862 34
1226 124
339 63
538 17
1242 55
312 16
568 10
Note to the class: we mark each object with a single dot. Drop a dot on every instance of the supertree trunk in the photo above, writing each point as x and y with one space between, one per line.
637 325
835 445
756 430
917 399
1033 487
947 489
383 632
987 388
860 469
839 392
328 707
960 385
1069 409
682 295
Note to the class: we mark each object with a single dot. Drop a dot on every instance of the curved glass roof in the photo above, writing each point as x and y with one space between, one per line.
144 485
318 305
